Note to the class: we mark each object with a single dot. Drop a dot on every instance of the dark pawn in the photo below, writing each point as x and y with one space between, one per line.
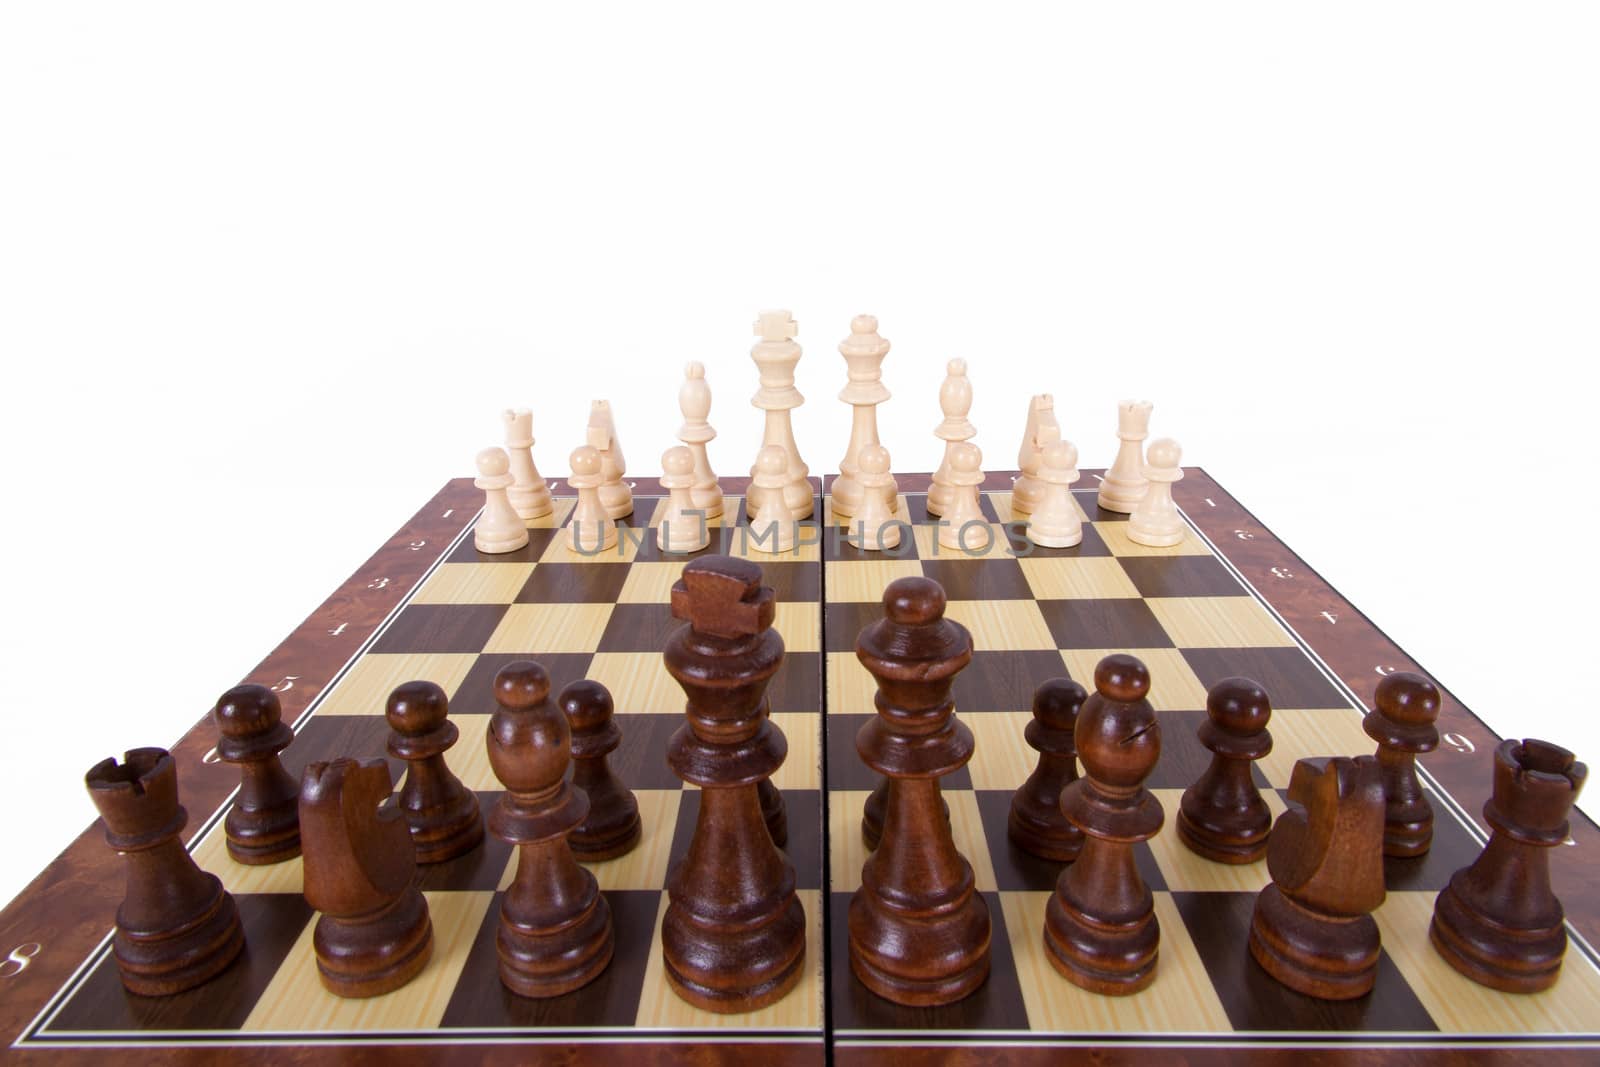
1403 726
1312 929
1036 824
612 827
263 826
733 937
1222 816
1100 925
1498 922
442 813
555 926
176 926
374 935
918 933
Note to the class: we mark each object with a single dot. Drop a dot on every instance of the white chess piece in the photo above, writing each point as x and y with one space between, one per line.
1156 522
500 528
694 400
1124 484
1041 431
873 527
955 400
966 474
774 528
529 494
615 494
591 530
683 528
1055 523
776 355
863 353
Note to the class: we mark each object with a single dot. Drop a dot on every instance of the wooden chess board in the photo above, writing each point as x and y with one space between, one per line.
1230 600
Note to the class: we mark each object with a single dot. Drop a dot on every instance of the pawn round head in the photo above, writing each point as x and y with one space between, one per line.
1061 455
587 705
694 370
521 685
1239 706
956 368
864 324
874 459
1056 703
493 462
1163 453
1118 736
677 461
530 743
416 707
247 710
1408 698
1122 678
772 461
913 601
586 460
966 457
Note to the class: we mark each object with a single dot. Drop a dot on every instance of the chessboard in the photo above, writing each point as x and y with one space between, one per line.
1230 600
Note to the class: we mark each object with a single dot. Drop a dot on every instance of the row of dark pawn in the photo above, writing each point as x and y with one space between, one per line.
919 935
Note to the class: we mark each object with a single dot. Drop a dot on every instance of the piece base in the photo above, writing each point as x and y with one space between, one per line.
497 546
1209 846
160 967
1327 957
1496 956
594 847
1114 961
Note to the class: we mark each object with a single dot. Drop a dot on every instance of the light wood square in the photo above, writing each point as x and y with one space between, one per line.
801 1009
474 583
1080 578
863 581
1115 535
1461 1006
846 850
996 545
638 681
563 506
966 826
1312 734
1218 622
629 538
802 768
211 854
644 867
745 545
850 688
365 688
1186 872
1180 1000
295 1001
534 628
800 624
1173 683
1001 758
1002 625
650 583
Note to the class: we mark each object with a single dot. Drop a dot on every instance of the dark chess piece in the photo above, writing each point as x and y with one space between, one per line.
442 813
1036 824
263 826
555 926
1403 726
1312 929
919 934
1100 925
374 935
1222 816
773 812
734 934
176 926
612 826
1498 922
872 813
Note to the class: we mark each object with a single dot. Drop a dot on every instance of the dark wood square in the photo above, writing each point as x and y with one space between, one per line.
1290 678
1091 545
574 583
328 737
1005 681
638 628
991 578
798 684
441 628
793 582
639 761
538 540
1453 848
917 509
650 550
843 621
1089 501
1183 758
475 694
1121 623
1158 576
475 871
835 546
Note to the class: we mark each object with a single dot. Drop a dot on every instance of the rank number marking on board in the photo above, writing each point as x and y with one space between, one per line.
18 959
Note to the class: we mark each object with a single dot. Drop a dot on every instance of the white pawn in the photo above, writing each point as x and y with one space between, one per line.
874 528
1055 522
1156 522
529 494
1124 484
683 527
591 530
1041 431
966 474
694 400
955 400
773 529
615 495
500 528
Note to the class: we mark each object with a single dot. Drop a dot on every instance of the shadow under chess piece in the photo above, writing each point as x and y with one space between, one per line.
1403 726
176 926
1498 921
441 812
374 935
263 825
1036 824
612 826
1222 816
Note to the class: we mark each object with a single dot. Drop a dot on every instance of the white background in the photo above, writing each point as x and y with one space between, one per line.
268 275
